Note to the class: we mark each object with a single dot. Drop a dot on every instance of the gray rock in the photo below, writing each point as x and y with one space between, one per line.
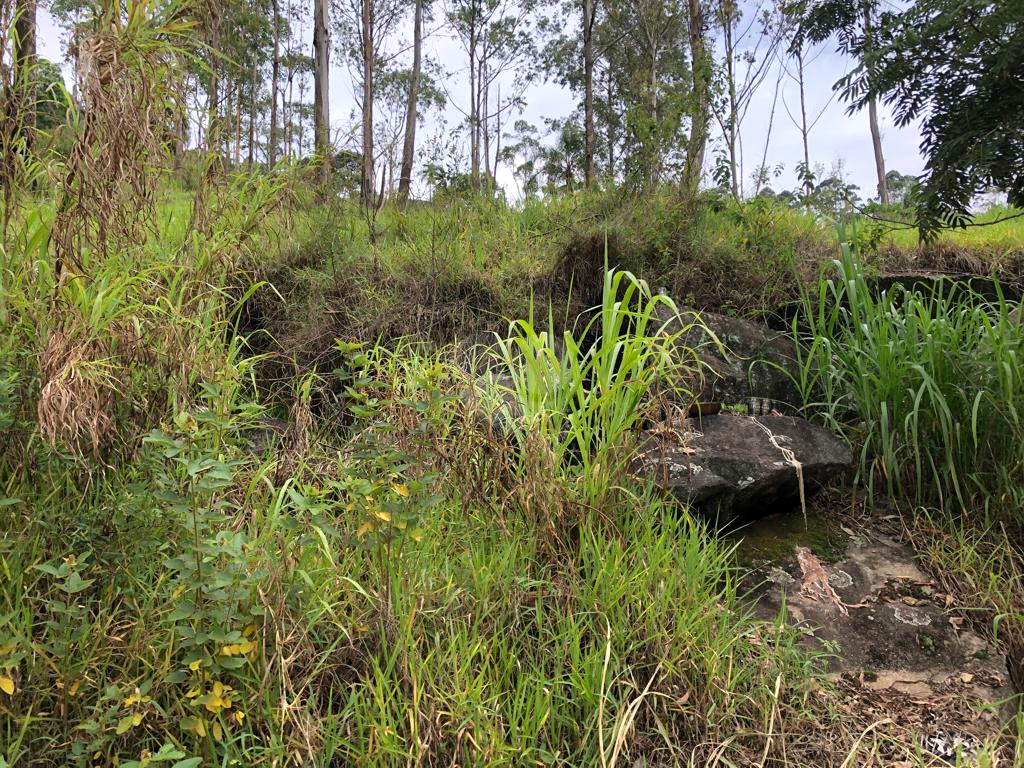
746 362
733 466
887 630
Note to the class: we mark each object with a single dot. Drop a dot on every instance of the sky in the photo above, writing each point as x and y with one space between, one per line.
837 138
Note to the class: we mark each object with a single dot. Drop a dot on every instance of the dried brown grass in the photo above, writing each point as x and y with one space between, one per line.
128 98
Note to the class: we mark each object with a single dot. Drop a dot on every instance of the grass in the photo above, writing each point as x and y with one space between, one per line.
400 578
929 384
992 242
398 581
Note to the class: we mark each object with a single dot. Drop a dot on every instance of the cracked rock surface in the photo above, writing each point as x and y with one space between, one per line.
732 466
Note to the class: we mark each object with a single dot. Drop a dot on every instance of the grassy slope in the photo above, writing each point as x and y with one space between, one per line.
388 592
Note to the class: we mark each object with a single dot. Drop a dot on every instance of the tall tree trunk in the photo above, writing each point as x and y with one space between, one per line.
366 177
251 139
24 64
411 112
804 129
728 17
486 128
238 125
876 143
275 74
321 94
589 57
474 110
286 104
611 128
213 94
497 137
700 64
876 134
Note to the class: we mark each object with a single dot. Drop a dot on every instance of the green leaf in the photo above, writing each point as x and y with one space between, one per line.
75 583
124 724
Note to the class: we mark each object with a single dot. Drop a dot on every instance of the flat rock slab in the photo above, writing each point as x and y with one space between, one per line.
887 626
731 466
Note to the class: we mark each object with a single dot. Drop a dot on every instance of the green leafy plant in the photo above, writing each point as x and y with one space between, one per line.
927 382
583 400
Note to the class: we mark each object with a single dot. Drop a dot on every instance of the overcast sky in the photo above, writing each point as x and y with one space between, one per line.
836 138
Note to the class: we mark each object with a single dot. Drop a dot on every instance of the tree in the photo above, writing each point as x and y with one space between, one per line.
745 65
589 19
956 66
24 58
573 59
653 81
321 93
702 70
412 113
497 39
366 26
275 77
855 26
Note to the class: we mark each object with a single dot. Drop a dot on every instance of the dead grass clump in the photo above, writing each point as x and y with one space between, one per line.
577 277
128 93
77 392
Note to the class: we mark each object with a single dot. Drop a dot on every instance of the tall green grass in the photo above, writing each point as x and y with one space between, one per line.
928 384
585 393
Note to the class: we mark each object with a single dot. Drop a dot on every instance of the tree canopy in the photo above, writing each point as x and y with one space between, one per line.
957 66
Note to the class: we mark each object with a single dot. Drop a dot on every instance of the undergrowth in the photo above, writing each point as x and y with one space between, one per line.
250 519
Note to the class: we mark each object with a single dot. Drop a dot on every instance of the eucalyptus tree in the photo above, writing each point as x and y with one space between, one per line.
366 26
393 86
751 35
854 24
573 57
412 113
498 38
545 167
321 86
647 61
701 74
24 61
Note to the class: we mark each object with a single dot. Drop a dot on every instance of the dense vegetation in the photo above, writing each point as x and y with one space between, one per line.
259 509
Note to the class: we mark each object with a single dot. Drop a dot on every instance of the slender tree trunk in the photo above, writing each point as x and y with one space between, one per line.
213 95
238 125
804 129
321 94
876 143
275 75
366 187
589 57
251 139
486 128
287 102
411 111
728 17
700 64
611 128
497 137
24 64
876 134
654 156
474 110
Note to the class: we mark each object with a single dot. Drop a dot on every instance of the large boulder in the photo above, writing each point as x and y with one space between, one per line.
732 466
741 361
